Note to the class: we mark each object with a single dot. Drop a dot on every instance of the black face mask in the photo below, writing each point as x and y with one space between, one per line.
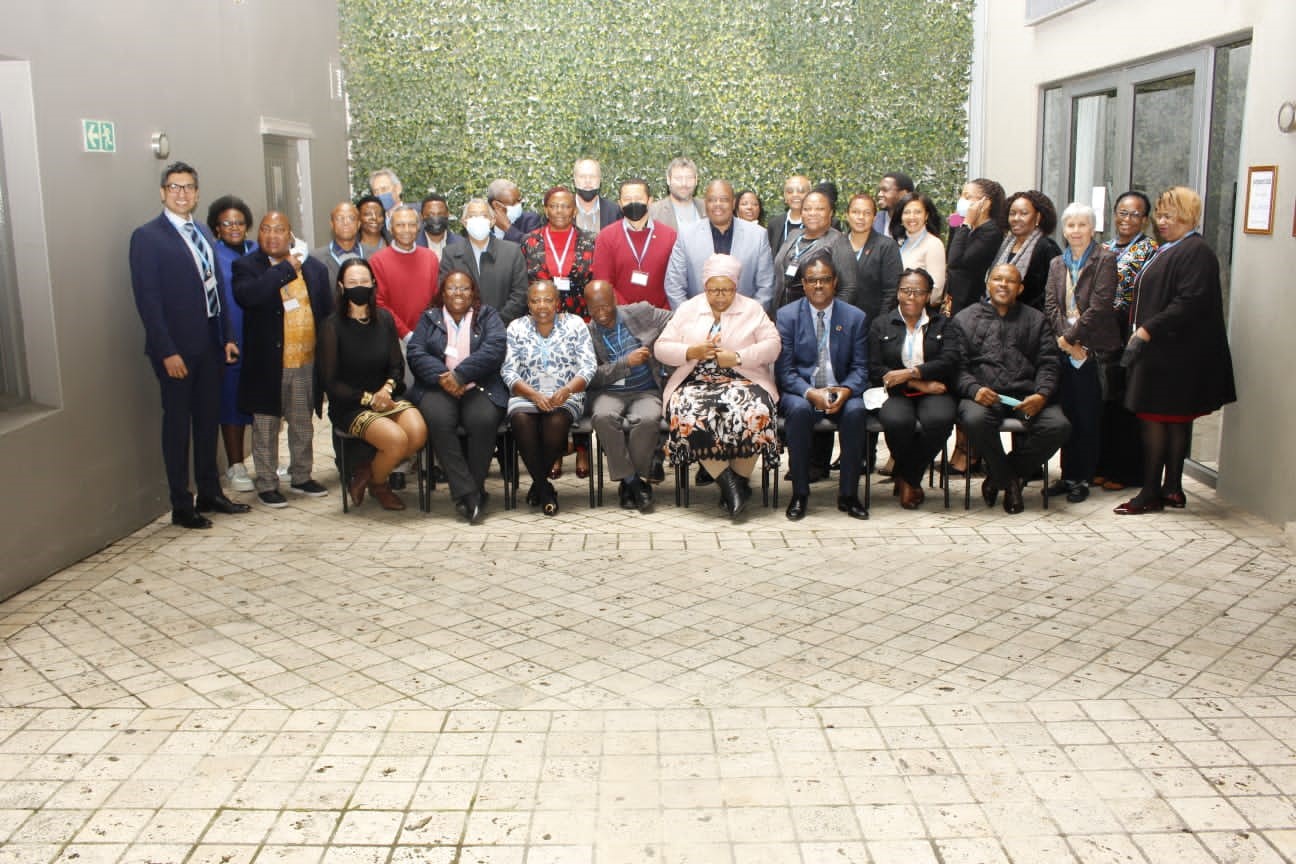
587 195
436 225
359 294
635 210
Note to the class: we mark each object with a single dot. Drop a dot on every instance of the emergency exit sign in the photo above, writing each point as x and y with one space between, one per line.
98 136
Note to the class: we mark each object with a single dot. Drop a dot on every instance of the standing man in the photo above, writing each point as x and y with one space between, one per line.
720 234
406 273
1008 367
678 209
893 187
178 295
593 211
626 388
511 221
345 222
496 264
822 369
435 233
386 187
633 253
284 300
783 225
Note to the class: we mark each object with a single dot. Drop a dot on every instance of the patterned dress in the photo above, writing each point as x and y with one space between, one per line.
546 363
1129 261
716 413
580 270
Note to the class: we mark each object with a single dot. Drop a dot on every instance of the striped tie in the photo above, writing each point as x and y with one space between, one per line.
209 284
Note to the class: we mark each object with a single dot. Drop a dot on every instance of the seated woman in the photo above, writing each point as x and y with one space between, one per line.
455 354
361 369
1079 299
549 363
913 352
720 398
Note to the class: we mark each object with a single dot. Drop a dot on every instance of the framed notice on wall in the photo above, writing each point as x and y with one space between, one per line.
1260 197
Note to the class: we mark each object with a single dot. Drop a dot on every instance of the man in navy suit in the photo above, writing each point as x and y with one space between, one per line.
822 369
178 294
284 300
720 232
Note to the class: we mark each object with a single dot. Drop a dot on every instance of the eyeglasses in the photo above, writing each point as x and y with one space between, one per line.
233 223
175 188
912 292
1128 214
721 292
458 289
817 280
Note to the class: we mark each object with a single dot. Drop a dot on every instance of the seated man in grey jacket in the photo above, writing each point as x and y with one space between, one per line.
626 388
1009 367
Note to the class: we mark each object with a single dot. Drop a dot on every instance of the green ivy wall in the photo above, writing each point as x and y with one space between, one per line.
452 94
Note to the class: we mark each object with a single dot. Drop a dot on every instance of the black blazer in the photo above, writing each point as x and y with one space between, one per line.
257 286
487 345
967 260
940 349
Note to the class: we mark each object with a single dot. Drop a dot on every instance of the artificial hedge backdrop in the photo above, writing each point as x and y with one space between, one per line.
453 93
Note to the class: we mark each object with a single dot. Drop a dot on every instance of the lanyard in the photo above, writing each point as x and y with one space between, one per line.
560 260
357 251
612 349
638 256
796 247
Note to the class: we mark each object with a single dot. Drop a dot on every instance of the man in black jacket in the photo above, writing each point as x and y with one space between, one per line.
1009 367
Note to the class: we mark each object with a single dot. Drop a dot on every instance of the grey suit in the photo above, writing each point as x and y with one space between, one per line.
502 278
695 246
629 452
663 211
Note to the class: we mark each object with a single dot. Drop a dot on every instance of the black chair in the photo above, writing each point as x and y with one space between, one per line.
1015 427
340 439
503 444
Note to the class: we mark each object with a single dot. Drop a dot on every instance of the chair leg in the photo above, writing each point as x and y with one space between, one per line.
339 446
1044 492
598 467
421 473
967 479
944 473
590 478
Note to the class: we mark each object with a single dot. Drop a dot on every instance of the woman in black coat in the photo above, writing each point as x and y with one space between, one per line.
973 244
1178 358
1028 246
913 352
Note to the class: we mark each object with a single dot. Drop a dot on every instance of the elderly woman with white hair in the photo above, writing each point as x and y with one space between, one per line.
720 398
1079 302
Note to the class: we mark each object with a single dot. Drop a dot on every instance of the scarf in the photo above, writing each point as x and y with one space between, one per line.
1023 259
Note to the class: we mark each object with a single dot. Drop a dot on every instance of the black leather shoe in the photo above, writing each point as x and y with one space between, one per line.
396 480
624 500
221 504
189 519
730 495
989 492
470 508
642 494
796 508
703 477
1058 489
1078 493
851 506
657 473
1013 496
744 494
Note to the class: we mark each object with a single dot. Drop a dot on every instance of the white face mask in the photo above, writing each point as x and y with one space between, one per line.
478 227
962 208
513 211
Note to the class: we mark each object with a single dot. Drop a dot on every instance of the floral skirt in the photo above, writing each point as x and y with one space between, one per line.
720 416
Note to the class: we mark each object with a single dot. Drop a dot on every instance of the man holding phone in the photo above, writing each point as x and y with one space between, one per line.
822 369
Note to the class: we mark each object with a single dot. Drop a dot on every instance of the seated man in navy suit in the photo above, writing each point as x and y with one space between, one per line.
822 369
284 300
177 291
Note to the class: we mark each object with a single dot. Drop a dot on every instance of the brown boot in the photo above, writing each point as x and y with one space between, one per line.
359 481
383 494
911 497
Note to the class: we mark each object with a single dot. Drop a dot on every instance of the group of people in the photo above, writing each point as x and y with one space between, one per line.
688 309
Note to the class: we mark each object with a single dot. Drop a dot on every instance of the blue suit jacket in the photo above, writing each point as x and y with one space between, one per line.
695 246
169 292
847 347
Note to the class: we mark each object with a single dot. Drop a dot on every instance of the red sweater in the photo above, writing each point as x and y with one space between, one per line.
407 282
614 261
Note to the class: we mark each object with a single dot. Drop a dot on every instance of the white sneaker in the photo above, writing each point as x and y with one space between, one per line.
282 471
238 478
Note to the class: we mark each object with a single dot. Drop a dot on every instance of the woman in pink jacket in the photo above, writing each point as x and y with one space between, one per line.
720 399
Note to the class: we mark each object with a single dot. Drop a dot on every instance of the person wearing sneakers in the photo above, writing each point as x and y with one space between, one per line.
284 300
229 218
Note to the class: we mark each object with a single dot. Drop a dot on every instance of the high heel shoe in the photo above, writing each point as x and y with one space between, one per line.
582 461
359 482
384 495
1177 500
1135 507
556 471
550 498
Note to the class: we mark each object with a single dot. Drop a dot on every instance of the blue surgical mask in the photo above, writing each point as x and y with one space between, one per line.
388 200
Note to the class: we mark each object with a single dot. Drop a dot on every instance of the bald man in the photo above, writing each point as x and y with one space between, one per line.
345 222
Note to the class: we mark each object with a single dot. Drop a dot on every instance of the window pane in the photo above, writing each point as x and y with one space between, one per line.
1053 156
1163 134
1093 152
13 374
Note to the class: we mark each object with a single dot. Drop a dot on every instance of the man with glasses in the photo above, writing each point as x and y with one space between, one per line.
345 222
178 294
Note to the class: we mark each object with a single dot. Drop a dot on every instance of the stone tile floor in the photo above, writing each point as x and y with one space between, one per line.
939 686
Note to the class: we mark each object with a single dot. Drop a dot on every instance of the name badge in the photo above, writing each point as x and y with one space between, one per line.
620 382
452 351
291 304
639 277
791 271
562 283
548 383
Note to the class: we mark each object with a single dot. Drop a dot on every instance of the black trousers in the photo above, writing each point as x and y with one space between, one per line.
914 451
1046 432
464 460
1081 400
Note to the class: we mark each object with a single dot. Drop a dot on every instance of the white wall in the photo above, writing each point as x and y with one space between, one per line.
1256 459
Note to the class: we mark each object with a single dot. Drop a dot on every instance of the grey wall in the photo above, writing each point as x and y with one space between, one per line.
89 472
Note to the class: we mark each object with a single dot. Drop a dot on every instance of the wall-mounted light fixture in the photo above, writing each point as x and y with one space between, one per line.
1287 117
161 145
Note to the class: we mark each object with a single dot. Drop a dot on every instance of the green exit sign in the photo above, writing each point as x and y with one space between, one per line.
98 136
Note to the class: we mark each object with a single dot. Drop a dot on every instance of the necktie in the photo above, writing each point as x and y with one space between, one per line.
209 284
821 369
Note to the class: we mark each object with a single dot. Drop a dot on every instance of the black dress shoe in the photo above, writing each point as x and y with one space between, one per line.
796 508
703 477
851 506
731 493
625 497
1079 492
1135 507
221 504
189 519
642 495
470 508
1058 489
1013 496
989 492
657 473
